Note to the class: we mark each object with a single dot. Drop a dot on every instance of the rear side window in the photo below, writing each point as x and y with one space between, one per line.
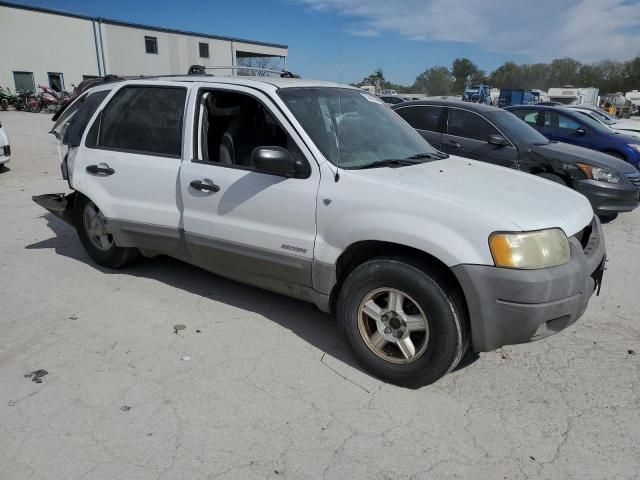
465 124
528 116
146 120
422 118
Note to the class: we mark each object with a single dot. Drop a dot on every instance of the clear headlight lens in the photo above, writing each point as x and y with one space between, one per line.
635 146
600 174
529 250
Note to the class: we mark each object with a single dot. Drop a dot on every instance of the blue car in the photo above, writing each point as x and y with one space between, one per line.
564 125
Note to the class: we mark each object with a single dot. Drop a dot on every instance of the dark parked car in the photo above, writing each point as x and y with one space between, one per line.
493 135
569 126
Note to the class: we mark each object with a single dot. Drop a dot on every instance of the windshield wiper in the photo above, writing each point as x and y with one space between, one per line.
434 155
389 161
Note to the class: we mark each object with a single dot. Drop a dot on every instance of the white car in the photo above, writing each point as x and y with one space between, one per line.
5 146
320 192
628 127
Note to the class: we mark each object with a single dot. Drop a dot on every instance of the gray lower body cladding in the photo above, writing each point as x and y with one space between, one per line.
509 306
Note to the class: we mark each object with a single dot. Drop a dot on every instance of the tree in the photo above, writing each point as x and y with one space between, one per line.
465 71
508 75
564 71
434 81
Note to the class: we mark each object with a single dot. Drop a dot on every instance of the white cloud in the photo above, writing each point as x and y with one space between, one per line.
545 29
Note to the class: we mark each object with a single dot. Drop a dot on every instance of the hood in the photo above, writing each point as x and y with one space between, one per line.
571 154
523 200
626 124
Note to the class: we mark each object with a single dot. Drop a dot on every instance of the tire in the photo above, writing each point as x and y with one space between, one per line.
105 252
553 177
436 351
35 108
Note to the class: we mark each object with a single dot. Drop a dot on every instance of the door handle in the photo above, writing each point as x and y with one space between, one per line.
102 169
454 144
204 187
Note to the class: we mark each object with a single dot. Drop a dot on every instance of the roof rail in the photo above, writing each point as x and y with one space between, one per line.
202 70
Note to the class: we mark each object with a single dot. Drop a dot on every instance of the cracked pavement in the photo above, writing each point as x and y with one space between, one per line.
268 391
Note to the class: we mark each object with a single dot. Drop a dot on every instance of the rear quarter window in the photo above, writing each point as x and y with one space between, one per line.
76 126
141 119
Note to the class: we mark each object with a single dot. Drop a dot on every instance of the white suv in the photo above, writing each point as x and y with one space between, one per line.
322 193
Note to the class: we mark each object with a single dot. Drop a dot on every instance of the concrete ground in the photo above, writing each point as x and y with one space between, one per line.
267 393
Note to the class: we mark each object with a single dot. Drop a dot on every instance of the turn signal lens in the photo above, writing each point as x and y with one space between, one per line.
530 250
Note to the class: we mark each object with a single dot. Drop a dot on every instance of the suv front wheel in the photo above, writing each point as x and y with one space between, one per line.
405 323
98 243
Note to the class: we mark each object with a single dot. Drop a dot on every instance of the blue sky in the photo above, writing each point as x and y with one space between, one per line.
403 37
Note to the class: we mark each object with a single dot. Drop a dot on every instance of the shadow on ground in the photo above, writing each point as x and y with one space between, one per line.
301 318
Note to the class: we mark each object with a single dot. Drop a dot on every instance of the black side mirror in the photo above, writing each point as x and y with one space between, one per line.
498 140
581 131
275 160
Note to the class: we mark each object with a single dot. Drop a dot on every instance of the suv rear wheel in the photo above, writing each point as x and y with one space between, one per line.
96 241
405 323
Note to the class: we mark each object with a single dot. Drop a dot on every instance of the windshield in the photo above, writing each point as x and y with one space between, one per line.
366 131
519 131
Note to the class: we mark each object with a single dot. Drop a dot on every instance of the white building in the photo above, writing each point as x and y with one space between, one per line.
47 47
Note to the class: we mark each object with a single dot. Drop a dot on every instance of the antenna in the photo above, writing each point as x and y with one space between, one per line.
337 176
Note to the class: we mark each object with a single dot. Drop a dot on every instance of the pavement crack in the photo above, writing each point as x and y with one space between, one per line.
324 354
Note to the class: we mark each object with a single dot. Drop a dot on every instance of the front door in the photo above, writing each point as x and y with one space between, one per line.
239 221
467 134
564 128
129 163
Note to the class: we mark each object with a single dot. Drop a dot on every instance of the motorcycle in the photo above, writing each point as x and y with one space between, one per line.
21 99
6 98
47 99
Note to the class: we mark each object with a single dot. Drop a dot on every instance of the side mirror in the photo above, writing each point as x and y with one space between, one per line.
581 131
274 160
498 140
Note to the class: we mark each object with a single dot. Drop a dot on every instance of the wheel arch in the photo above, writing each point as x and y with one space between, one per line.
362 251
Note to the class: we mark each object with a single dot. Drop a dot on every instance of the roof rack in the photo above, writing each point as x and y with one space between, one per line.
202 70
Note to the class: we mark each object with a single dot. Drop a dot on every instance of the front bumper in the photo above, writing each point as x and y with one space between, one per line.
609 198
508 306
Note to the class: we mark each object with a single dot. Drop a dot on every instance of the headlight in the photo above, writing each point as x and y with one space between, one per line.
635 146
529 250
600 174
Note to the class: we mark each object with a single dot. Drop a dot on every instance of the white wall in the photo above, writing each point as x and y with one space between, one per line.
39 42
125 51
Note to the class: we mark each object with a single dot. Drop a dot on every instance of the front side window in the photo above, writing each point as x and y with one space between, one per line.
353 129
465 124
145 119
151 45
422 118
231 125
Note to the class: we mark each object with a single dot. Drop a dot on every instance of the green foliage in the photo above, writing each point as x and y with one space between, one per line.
610 76
434 81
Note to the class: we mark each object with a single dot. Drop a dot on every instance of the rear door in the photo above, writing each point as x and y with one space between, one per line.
426 120
467 134
129 164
